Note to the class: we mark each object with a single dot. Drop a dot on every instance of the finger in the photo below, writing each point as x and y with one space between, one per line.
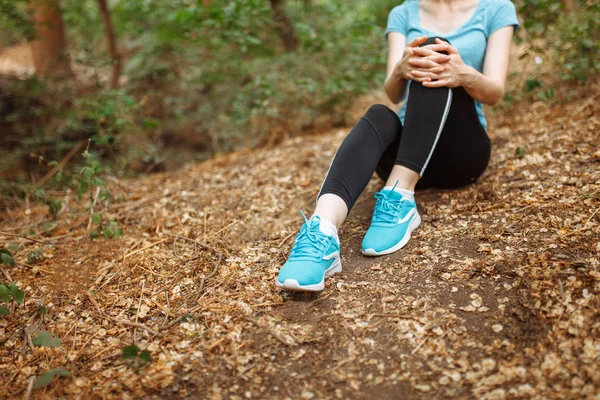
444 46
422 63
417 41
429 50
424 51
434 70
431 55
424 74
436 84
412 77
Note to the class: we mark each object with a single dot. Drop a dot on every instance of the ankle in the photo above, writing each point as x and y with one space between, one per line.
401 184
407 194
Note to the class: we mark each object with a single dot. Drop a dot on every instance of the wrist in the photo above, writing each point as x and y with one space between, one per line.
467 76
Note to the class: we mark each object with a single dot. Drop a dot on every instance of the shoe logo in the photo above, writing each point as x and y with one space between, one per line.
335 254
408 216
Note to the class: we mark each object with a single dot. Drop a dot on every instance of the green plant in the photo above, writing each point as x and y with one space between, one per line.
6 257
54 206
47 377
136 357
34 257
46 339
10 292
546 95
572 37
531 84
579 42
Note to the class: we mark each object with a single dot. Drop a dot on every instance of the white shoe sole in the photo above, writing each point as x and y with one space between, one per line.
292 284
414 224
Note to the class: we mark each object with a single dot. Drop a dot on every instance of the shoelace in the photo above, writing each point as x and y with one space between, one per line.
310 242
388 209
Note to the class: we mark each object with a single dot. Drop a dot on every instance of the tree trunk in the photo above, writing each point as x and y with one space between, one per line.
112 44
49 50
284 26
570 5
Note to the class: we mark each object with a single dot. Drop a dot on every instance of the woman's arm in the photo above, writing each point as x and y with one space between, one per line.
395 84
486 87
402 61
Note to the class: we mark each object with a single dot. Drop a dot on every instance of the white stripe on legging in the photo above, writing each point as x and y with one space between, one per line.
441 128
328 169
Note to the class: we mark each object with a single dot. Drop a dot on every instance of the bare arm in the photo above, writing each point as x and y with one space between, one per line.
394 84
488 87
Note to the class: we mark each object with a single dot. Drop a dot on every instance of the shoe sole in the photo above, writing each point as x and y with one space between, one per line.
293 285
414 224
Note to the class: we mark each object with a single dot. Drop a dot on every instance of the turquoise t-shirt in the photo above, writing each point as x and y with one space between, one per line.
470 39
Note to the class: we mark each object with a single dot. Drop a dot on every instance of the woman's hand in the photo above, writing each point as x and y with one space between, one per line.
413 60
452 73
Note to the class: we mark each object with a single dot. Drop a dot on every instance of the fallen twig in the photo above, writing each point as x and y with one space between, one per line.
21 237
144 248
89 225
285 239
120 321
61 164
29 388
206 246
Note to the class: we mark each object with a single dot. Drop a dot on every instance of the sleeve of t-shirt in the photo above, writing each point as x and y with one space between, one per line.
503 15
397 21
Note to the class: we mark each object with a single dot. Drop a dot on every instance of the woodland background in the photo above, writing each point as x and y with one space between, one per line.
154 154
146 86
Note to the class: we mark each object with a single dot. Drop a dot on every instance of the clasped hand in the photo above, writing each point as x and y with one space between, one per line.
429 66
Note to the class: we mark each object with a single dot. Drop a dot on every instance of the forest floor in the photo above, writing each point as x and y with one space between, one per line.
496 296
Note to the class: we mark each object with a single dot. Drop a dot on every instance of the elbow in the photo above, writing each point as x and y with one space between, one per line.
496 96
390 96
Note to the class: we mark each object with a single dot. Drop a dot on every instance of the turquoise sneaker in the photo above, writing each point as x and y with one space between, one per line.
314 257
393 221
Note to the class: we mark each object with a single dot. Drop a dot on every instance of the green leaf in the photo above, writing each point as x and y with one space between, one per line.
520 152
43 310
104 195
87 172
145 355
531 84
96 218
4 310
6 257
17 294
186 317
130 352
4 293
118 232
47 377
46 339
98 181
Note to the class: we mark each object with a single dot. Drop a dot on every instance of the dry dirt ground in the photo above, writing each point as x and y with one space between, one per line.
496 296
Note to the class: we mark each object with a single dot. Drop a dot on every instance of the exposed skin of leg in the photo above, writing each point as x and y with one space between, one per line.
332 208
406 178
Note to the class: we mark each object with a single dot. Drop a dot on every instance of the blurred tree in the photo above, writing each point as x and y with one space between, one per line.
570 5
49 49
112 44
284 26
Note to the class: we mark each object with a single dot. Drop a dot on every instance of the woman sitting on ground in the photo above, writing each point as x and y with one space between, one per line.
446 58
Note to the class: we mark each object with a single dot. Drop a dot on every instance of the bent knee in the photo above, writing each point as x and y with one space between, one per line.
379 114
386 122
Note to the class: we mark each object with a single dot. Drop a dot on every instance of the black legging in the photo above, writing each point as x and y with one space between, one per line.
442 140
